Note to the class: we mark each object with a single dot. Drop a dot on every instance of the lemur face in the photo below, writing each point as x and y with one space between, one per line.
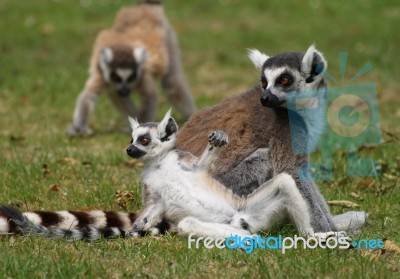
121 67
150 140
144 139
289 72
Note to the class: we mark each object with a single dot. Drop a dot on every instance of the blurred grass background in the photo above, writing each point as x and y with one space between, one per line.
44 52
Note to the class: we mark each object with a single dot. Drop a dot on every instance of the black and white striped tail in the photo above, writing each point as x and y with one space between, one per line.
70 225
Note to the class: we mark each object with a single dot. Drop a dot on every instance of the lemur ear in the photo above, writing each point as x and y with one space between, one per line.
313 64
106 55
257 58
140 54
133 122
167 127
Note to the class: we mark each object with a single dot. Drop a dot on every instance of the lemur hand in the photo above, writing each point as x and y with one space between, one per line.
217 138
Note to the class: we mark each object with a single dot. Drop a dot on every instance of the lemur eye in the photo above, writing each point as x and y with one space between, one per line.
144 141
285 81
114 77
264 83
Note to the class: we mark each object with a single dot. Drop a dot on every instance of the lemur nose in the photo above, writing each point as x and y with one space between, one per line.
135 152
264 100
131 150
269 100
124 91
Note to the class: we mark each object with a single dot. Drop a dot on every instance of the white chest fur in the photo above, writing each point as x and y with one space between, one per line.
186 192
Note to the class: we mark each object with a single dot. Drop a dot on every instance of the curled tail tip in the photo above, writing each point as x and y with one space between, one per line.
11 220
13 214
10 211
17 223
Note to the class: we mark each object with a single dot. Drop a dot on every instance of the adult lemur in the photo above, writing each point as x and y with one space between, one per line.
140 49
177 187
262 138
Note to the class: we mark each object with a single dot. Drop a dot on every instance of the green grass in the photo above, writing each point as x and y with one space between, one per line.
45 48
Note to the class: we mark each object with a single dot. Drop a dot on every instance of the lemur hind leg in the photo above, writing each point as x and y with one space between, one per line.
198 228
321 219
246 177
272 202
174 83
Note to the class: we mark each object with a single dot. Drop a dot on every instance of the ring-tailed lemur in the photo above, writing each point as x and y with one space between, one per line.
178 191
140 49
262 138
179 188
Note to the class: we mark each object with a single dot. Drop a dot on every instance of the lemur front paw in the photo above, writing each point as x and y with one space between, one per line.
240 221
217 138
140 224
74 131
145 224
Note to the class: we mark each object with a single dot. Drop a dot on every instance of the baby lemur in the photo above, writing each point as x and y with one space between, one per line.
140 49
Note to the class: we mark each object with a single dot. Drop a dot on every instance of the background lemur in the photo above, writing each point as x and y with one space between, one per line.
261 137
138 50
